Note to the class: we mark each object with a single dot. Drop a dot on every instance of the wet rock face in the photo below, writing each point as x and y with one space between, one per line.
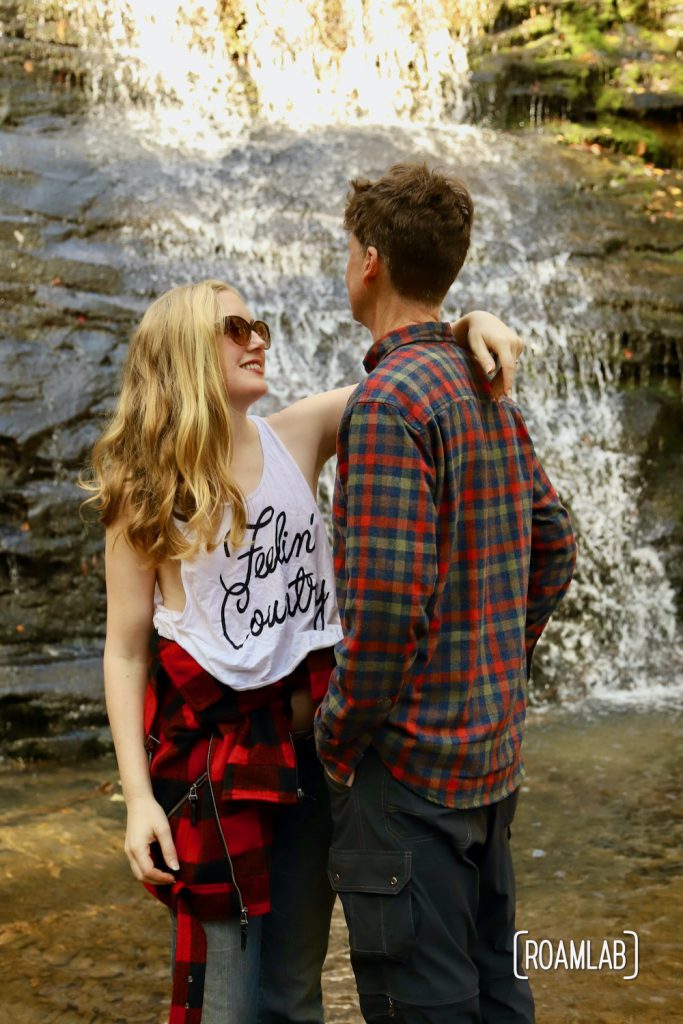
653 422
59 369
66 312
55 727
65 326
43 71
53 387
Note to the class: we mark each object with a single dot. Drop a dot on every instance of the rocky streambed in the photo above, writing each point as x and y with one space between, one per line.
596 839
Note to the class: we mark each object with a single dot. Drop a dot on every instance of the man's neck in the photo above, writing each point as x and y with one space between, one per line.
394 312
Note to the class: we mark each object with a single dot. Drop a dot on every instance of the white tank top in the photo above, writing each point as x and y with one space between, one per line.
252 614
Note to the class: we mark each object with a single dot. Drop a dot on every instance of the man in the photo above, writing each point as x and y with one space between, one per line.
451 552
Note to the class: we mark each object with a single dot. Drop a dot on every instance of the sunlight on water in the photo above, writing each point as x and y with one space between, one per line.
392 62
168 65
194 73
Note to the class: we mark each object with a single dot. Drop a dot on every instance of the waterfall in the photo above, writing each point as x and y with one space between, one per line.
204 69
231 131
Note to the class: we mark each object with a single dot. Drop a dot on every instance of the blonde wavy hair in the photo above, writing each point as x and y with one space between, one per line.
167 451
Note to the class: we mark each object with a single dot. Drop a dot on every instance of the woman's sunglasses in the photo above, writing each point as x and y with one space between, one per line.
239 330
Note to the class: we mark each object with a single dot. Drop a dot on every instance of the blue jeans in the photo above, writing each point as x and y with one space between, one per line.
276 979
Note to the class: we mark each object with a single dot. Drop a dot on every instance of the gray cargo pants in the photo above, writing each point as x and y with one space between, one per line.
429 899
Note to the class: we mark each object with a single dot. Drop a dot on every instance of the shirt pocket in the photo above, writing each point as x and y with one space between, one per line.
375 891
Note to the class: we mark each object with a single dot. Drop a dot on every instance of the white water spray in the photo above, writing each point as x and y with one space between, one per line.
195 73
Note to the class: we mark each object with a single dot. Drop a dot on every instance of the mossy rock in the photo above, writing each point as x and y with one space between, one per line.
663 105
587 62
650 140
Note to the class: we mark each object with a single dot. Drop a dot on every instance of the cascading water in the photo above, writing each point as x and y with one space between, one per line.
204 67
229 135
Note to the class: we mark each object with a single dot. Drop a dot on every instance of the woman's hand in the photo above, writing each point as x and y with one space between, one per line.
147 823
484 333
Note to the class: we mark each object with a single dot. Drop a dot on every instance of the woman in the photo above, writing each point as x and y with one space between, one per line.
215 547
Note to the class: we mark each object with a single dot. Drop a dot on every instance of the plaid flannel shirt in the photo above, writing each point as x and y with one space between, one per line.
451 552
205 737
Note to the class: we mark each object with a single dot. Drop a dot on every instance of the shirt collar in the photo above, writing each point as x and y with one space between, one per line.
432 331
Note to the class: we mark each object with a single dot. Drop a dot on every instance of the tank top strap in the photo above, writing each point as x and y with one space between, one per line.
275 455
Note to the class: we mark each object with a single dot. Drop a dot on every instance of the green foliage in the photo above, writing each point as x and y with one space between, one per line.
614 133
599 55
610 100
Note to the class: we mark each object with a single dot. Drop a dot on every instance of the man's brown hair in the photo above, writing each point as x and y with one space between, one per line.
419 221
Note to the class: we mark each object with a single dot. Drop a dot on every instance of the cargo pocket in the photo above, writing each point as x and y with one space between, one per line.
374 887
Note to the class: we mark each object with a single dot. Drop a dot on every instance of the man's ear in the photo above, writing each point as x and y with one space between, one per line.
370 264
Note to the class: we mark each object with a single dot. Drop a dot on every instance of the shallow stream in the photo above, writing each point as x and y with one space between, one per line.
597 844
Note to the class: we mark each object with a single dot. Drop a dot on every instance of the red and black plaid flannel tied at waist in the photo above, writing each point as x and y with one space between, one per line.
451 551
219 759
